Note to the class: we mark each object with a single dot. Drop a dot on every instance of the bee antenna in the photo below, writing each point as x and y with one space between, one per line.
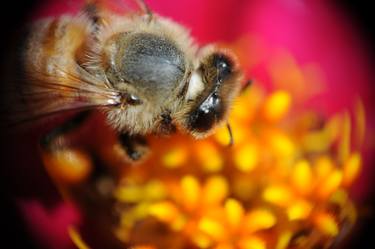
231 140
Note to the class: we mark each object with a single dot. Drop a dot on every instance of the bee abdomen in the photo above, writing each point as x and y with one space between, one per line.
53 43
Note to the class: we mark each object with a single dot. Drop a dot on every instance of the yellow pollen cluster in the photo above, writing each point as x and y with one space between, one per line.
274 188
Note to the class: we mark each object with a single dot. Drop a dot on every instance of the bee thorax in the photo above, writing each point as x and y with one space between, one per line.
152 64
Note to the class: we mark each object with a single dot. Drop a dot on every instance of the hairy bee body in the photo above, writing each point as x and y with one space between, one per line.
142 70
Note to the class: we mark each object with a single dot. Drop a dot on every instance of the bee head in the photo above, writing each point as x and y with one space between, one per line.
210 93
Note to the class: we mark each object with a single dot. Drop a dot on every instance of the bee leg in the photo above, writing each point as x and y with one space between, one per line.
166 125
135 146
50 141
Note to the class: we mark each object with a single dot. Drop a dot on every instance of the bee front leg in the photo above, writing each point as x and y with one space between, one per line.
54 139
67 162
135 146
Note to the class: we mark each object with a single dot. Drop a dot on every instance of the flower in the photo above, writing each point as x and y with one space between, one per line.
286 179
282 176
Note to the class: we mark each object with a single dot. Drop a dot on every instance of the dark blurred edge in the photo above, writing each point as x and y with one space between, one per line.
14 232
364 20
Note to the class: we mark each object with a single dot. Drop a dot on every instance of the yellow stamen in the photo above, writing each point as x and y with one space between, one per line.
259 219
212 228
127 219
277 105
339 197
281 144
209 157
323 167
190 191
175 157
316 141
278 194
344 145
242 109
164 211
302 177
246 157
202 240
76 238
360 122
240 112
326 224
130 193
141 211
130 217
332 127
252 243
155 190
284 240
351 168
215 190
179 223
300 209
248 103
330 184
234 212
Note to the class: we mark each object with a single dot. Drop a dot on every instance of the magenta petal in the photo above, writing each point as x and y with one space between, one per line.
208 20
49 226
315 32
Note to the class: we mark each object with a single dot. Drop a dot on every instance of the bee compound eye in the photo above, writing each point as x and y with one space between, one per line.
223 64
207 114
203 120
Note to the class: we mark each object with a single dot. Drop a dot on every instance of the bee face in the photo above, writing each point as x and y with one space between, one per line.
219 76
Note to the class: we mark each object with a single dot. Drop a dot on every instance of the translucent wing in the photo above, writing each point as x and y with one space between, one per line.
27 99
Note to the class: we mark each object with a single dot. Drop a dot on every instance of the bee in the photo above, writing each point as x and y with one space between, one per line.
142 70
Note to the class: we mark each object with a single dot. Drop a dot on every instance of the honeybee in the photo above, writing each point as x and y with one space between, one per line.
142 70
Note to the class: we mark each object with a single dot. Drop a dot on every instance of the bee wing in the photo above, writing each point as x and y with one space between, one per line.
30 99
